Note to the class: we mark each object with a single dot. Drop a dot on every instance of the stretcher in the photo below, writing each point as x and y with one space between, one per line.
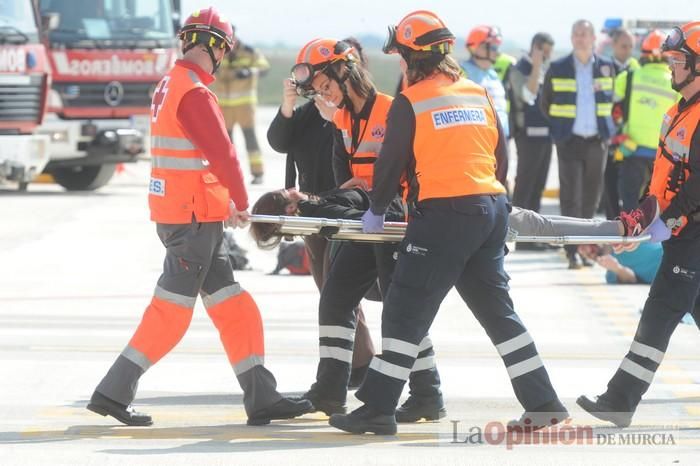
351 230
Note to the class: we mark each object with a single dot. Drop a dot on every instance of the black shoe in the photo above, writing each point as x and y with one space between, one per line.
104 406
328 407
416 408
604 410
257 179
357 376
364 419
543 416
574 262
286 408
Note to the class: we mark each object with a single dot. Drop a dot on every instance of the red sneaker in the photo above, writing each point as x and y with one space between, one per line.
638 220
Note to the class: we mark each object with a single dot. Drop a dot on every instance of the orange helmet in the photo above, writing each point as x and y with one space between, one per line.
316 56
208 27
420 31
651 45
480 34
683 46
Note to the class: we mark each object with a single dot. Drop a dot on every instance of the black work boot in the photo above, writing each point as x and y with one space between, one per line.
364 419
603 409
286 408
328 407
104 406
543 416
415 408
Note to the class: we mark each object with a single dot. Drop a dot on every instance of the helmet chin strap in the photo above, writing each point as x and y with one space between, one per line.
690 64
488 55
215 65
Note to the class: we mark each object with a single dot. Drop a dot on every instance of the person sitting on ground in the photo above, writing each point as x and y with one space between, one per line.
637 266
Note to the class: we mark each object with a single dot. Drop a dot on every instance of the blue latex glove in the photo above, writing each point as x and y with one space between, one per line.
372 223
659 231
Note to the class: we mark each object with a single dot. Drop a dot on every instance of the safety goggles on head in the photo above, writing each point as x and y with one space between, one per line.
390 44
676 42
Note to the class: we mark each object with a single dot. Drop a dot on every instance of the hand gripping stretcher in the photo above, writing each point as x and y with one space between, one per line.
351 230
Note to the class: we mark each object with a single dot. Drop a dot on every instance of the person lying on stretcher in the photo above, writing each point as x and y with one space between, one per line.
352 203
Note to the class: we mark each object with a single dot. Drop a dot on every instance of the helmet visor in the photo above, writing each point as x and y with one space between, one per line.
390 45
674 41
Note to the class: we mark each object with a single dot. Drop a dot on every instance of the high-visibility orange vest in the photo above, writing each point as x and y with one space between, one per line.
455 140
671 163
370 139
181 183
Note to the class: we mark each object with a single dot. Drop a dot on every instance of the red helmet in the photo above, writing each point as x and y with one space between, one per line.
480 34
651 45
208 27
420 31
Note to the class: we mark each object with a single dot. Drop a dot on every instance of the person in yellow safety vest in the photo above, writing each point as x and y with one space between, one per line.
643 95
502 66
623 42
622 46
236 88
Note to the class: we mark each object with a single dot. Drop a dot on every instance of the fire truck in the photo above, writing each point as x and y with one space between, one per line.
24 82
106 58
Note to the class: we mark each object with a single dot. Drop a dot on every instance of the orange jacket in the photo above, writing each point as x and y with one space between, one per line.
671 163
181 182
370 139
456 138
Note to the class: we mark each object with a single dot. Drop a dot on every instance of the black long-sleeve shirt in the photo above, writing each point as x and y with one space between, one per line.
397 153
307 139
687 201
348 204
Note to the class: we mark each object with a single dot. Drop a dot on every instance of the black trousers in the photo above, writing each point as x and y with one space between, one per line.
354 269
453 242
534 157
581 168
635 173
673 293
319 250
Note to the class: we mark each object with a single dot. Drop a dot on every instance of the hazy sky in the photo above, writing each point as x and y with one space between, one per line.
298 21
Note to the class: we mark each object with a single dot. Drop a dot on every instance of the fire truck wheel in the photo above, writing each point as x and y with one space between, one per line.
84 178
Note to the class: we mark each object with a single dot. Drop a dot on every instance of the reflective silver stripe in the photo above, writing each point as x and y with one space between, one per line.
676 148
425 344
636 370
514 344
180 300
309 49
523 367
449 101
336 331
166 142
137 357
211 300
422 364
665 93
537 131
647 351
399 346
369 146
389 369
193 76
664 127
333 352
248 363
178 163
